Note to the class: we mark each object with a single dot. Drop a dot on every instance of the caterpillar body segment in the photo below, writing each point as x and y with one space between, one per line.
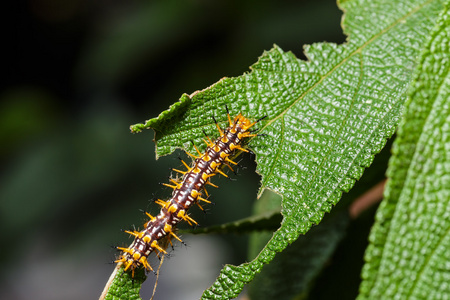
186 192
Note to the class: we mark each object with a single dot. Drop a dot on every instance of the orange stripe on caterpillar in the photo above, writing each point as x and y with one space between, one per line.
186 193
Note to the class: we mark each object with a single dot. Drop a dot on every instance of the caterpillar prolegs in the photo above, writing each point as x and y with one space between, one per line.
188 191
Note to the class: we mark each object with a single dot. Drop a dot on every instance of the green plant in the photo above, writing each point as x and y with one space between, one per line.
327 118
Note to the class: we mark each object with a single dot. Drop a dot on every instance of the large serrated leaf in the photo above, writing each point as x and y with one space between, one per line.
409 253
327 117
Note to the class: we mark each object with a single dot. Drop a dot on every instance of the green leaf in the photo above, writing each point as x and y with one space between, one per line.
327 117
409 253
122 286
310 268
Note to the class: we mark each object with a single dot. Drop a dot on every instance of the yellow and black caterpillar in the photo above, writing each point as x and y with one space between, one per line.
186 192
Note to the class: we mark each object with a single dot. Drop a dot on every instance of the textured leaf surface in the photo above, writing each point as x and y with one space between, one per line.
122 287
409 253
327 117
312 266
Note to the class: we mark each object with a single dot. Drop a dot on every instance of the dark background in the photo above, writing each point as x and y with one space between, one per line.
77 73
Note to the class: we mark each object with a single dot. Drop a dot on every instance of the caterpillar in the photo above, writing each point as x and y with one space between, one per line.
188 191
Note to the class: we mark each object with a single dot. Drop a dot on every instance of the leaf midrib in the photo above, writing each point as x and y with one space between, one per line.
323 77
350 56
357 50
